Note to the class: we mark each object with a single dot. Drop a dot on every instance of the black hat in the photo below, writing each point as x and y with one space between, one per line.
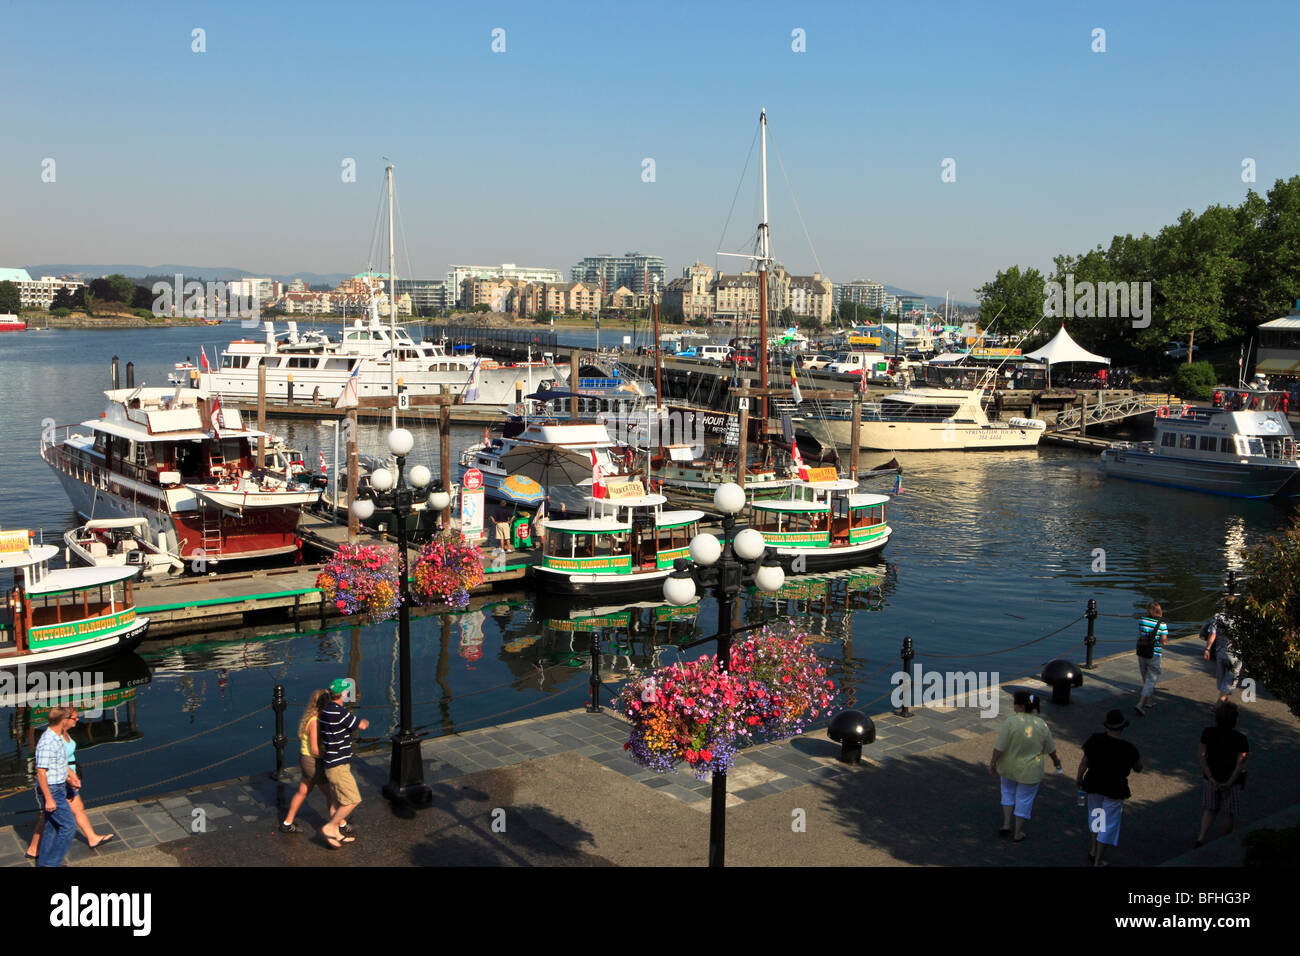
1115 721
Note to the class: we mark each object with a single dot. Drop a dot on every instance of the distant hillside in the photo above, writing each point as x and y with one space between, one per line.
931 300
199 273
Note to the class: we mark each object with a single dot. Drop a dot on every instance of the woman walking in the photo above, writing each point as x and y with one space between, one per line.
1018 761
1223 765
73 791
312 774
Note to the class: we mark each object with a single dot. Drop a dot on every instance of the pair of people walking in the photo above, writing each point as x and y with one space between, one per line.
325 740
58 793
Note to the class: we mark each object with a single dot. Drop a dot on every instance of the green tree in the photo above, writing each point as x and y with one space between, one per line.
1265 621
1195 380
1014 299
121 289
1270 230
10 300
787 317
1197 261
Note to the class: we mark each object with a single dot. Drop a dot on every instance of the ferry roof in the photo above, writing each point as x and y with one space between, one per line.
588 526
34 554
596 436
669 518
141 434
77 579
790 504
641 501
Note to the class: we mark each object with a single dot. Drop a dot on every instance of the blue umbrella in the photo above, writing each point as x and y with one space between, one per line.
521 490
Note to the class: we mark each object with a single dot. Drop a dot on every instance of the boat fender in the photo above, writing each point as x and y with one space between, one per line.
1034 423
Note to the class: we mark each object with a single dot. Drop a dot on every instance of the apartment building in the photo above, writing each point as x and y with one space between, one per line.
632 269
33 293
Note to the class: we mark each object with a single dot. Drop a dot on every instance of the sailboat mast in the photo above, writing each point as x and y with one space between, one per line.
659 366
392 301
764 252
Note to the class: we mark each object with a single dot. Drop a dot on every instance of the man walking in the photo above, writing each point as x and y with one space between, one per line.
1152 635
1103 776
334 733
1219 646
52 790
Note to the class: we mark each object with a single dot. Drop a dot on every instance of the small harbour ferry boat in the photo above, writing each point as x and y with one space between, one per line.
627 545
925 419
1237 453
11 323
62 617
823 524
119 543
176 458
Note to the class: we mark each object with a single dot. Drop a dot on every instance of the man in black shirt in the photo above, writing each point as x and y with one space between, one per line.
1103 775
334 731
1223 765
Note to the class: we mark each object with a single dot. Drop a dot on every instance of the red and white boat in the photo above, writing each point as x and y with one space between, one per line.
175 457
11 323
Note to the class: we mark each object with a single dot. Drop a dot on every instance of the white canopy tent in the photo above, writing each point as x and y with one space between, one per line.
1062 348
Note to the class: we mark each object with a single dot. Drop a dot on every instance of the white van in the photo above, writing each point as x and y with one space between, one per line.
855 363
714 353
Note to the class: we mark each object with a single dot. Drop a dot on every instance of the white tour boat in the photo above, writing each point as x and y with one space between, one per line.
823 525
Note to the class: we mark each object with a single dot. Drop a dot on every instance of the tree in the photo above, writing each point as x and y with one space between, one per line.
787 317
66 298
1195 380
122 289
1265 621
1196 259
10 300
1014 298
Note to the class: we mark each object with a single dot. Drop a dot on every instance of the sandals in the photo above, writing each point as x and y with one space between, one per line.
101 841
336 843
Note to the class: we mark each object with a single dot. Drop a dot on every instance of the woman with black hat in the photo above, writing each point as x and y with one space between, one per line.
1018 761
1103 776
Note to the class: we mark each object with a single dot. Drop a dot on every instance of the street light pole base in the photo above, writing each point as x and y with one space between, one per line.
406 773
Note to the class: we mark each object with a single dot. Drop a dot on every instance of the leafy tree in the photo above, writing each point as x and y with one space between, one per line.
1265 621
10 300
1196 259
121 288
67 299
1195 380
1014 299
787 317
61 312
88 297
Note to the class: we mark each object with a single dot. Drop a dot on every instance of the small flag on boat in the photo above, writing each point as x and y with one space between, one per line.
322 463
797 459
794 385
351 391
203 360
862 384
215 419
471 389
597 477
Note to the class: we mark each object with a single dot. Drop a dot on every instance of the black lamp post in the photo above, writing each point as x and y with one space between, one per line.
722 566
406 770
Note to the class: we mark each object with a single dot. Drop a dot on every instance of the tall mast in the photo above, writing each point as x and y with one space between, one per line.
392 300
659 365
764 252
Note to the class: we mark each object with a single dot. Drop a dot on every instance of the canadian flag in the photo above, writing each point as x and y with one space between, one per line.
798 461
597 477
215 418
322 463
203 360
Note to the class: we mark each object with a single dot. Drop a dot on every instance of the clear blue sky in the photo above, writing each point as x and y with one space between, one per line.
534 156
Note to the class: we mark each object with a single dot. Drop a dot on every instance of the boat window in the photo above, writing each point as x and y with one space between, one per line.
101 442
1207 443
1186 441
1250 446
1168 440
1225 445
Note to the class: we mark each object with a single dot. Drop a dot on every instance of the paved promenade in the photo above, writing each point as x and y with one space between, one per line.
560 791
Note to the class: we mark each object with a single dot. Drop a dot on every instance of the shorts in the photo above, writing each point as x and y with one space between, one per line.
1104 817
311 770
1227 672
345 788
1213 799
1019 795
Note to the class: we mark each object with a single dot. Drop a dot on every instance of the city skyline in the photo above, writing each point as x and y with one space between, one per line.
536 153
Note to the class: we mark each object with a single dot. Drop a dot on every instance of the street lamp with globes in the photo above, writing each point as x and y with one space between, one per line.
406 769
723 565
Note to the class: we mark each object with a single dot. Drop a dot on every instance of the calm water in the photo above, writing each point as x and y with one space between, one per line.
989 551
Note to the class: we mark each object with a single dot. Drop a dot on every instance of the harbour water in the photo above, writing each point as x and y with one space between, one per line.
990 553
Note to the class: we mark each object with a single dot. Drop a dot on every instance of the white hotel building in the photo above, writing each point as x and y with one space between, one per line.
37 292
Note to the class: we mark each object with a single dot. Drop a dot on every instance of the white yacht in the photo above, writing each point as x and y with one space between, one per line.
1240 454
925 419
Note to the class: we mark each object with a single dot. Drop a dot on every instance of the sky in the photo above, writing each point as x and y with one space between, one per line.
536 152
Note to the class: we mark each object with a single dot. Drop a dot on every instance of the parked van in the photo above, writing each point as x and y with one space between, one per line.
855 363
714 353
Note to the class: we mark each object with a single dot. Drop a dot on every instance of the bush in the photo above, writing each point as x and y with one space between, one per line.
1195 380
142 313
1265 620
61 312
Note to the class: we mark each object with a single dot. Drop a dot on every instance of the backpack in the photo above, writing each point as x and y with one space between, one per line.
1146 644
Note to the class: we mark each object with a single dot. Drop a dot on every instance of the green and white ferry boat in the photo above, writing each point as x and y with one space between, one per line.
822 524
52 619
627 544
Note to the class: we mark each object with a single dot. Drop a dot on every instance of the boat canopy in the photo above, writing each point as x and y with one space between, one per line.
640 501
789 504
35 554
79 579
96 524
587 526
671 519
867 501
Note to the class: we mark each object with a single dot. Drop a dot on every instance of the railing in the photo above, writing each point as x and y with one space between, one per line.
1102 412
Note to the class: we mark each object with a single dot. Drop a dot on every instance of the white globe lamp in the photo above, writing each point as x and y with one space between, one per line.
363 508
400 442
749 545
439 501
770 577
729 498
679 588
381 479
705 550
421 476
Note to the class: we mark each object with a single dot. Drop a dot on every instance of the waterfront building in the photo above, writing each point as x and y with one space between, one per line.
810 297
297 285
457 274
871 295
1279 347
427 295
37 293
911 307
632 269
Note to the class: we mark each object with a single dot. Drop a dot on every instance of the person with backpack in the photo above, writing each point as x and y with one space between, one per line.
1152 635
1220 649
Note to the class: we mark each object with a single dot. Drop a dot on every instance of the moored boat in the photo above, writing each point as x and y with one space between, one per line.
66 616
119 543
823 525
11 323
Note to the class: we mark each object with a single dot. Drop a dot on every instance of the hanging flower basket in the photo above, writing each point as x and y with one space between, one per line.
362 580
696 714
446 571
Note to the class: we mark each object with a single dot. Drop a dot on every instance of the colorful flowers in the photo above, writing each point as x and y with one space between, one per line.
362 580
695 713
446 570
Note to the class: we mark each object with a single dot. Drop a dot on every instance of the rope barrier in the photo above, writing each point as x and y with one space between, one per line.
109 797
183 740
1013 647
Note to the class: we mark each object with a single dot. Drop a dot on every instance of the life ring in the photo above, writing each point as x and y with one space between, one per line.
1163 411
1187 411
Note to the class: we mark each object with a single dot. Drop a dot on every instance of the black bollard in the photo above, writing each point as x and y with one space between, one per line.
1232 581
908 654
1090 641
593 705
290 391
279 740
130 375
851 729
117 375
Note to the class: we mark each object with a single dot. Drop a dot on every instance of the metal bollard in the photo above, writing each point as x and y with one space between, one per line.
279 740
907 655
117 376
1090 641
130 375
593 705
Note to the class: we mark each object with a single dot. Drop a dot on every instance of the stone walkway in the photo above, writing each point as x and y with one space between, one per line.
921 796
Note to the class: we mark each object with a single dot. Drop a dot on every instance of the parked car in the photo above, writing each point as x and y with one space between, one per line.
713 353
744 358
1178 350
819 361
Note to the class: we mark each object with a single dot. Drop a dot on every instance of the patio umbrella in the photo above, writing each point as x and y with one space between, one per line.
555 468
521 490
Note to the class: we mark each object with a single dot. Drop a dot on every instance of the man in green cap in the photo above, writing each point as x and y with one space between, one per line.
334 732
